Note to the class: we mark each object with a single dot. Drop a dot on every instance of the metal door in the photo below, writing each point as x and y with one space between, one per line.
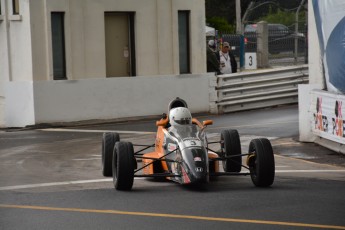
117 44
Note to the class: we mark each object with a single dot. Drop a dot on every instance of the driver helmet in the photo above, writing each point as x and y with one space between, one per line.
180 116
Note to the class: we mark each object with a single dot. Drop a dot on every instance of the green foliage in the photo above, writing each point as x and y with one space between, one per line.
282 17
220 24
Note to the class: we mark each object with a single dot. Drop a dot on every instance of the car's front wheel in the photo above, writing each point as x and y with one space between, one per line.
231 149
123 166
108 143
261 162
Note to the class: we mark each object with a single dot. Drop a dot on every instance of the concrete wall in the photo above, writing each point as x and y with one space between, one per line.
315 79
75 100
15 48
314 53
19 106
19 43
26 57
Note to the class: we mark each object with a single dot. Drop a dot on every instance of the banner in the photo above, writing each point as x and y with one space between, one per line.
330 23
327 110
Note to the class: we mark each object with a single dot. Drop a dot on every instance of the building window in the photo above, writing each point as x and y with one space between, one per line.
184 46
15 6
58 45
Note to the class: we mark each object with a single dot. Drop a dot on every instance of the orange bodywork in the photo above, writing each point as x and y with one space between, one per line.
159 149
216 163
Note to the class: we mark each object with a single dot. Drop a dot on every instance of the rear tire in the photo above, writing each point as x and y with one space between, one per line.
108 143
261 165
123 166
230 146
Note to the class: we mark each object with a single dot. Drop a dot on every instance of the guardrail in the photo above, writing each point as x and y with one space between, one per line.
266 88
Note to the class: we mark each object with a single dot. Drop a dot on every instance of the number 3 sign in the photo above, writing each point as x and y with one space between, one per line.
250 61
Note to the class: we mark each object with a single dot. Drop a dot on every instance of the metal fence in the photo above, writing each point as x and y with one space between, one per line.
281 45
265 88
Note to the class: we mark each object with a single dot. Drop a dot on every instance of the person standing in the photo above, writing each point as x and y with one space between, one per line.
226 60
212 61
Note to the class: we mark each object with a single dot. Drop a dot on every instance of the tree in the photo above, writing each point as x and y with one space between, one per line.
221 14
221 24
282 17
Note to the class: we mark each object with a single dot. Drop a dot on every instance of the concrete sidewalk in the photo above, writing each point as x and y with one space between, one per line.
291 147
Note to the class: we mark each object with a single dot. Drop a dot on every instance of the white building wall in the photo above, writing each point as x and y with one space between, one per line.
20 43
20 94
95 98
108 98
157 61
4 68
15 49
156 35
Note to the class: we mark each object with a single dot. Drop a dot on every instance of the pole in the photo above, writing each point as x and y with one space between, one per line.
296 32
238 17
239 31
248 10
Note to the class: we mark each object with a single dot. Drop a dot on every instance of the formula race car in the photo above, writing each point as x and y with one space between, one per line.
182 154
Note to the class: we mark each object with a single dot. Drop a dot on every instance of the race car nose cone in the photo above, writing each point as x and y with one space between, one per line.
199 175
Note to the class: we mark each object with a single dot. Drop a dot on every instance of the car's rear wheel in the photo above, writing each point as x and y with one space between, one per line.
231 146
261 162
108 143
123 166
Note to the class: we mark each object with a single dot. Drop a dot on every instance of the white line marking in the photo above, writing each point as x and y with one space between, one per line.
53 184
311 171
95 131
254 125
110 179
87 159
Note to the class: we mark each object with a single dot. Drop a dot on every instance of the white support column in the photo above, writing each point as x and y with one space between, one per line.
262 44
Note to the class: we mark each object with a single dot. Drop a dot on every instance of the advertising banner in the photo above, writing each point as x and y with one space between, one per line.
327 110
330 24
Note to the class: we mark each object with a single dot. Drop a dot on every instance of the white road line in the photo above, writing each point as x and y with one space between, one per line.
95 131
53 184
110 179
311 171
87 159
253 125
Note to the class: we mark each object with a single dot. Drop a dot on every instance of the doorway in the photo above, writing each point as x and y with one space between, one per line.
119 44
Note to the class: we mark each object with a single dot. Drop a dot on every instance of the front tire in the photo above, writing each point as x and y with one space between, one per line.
108 143
230 146
261 163
123 166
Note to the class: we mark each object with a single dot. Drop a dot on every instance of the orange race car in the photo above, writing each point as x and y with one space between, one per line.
181 154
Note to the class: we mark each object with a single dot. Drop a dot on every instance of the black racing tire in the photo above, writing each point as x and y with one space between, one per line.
108 143
123 166
230 146
261 165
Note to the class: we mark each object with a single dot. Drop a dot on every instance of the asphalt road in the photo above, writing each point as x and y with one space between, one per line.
51 179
